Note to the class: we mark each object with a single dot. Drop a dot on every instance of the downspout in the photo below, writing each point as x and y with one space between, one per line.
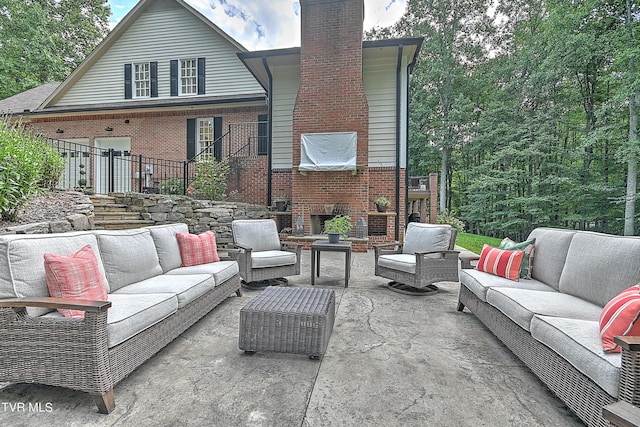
398 139
269 132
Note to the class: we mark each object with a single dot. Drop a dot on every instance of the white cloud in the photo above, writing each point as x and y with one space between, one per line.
271 24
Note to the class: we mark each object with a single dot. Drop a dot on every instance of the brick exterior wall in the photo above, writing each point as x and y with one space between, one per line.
160 134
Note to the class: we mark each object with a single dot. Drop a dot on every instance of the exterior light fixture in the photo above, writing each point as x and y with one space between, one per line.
108 128
362 229
59 131
298 227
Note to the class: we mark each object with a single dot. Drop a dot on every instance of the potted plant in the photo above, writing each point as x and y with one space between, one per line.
281 203
339 225
382 203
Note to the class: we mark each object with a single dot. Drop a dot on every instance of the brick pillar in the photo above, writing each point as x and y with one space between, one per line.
331 98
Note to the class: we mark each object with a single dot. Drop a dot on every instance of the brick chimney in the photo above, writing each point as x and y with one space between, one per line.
331 98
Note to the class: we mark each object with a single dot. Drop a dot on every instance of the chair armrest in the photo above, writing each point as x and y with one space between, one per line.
383 249
55 303
239 247
290 245
227 253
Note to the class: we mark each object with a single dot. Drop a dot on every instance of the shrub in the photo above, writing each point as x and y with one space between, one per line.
210 180
27 162
446 218
173 186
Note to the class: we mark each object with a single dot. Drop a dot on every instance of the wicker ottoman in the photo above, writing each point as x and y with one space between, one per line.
288 320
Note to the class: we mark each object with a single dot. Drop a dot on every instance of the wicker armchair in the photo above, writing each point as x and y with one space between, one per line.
426 257
261 254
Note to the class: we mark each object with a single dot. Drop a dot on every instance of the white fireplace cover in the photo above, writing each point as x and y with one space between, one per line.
332 151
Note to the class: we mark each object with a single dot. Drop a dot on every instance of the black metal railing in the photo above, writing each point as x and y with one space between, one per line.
106 170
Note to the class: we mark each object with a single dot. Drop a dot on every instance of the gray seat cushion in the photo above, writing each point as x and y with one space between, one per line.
520 305
578 342
185 287
401 262
265 259
221 270
133 313
479 282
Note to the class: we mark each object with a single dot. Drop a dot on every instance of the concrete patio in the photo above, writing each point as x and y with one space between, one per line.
393 360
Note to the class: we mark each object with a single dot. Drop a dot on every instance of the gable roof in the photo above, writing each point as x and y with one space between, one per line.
118 31
27 101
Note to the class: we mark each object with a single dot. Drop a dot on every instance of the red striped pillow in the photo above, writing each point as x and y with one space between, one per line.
76 277
197 249
620 317
500 262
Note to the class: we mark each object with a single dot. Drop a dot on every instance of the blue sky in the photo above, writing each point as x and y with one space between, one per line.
268 24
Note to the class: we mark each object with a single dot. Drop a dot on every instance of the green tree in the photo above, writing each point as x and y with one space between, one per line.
43 41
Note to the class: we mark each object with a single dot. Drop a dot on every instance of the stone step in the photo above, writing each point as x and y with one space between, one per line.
112 207
121 224
102 199
116 215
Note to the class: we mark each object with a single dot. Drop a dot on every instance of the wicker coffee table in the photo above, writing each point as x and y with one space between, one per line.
288 320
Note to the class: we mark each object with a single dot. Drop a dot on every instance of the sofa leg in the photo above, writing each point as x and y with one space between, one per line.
460 306
239 292
105 401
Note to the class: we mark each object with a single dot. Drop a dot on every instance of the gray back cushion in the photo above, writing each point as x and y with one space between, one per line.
129 256
164 237
600 266
550 253
421 237
258 234
22 271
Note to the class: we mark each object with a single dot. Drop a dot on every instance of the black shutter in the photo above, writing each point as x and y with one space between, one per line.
263 135
127 82
153 71
174 77
201 74
217 137
191 138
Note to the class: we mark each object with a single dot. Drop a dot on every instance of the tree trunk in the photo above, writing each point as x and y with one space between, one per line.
444 168
632 169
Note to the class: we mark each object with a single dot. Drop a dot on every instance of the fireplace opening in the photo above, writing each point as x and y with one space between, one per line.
320 213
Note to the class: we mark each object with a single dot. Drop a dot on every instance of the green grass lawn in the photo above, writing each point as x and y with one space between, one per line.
474 242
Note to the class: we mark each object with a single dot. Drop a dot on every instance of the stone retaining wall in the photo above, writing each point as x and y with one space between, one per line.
81 218
199 215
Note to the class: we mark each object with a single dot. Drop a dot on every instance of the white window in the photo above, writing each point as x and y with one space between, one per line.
142 80
189 77
205 144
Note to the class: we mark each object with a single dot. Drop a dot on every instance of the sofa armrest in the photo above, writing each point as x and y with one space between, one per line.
55 303
622 414
630 368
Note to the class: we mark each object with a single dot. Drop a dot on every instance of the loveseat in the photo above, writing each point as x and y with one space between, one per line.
552 321
152 299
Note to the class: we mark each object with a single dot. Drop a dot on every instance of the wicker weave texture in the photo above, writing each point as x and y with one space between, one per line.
288 320
73 353
585 398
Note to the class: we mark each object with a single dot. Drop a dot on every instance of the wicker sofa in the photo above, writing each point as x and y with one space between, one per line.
151 301
551 322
